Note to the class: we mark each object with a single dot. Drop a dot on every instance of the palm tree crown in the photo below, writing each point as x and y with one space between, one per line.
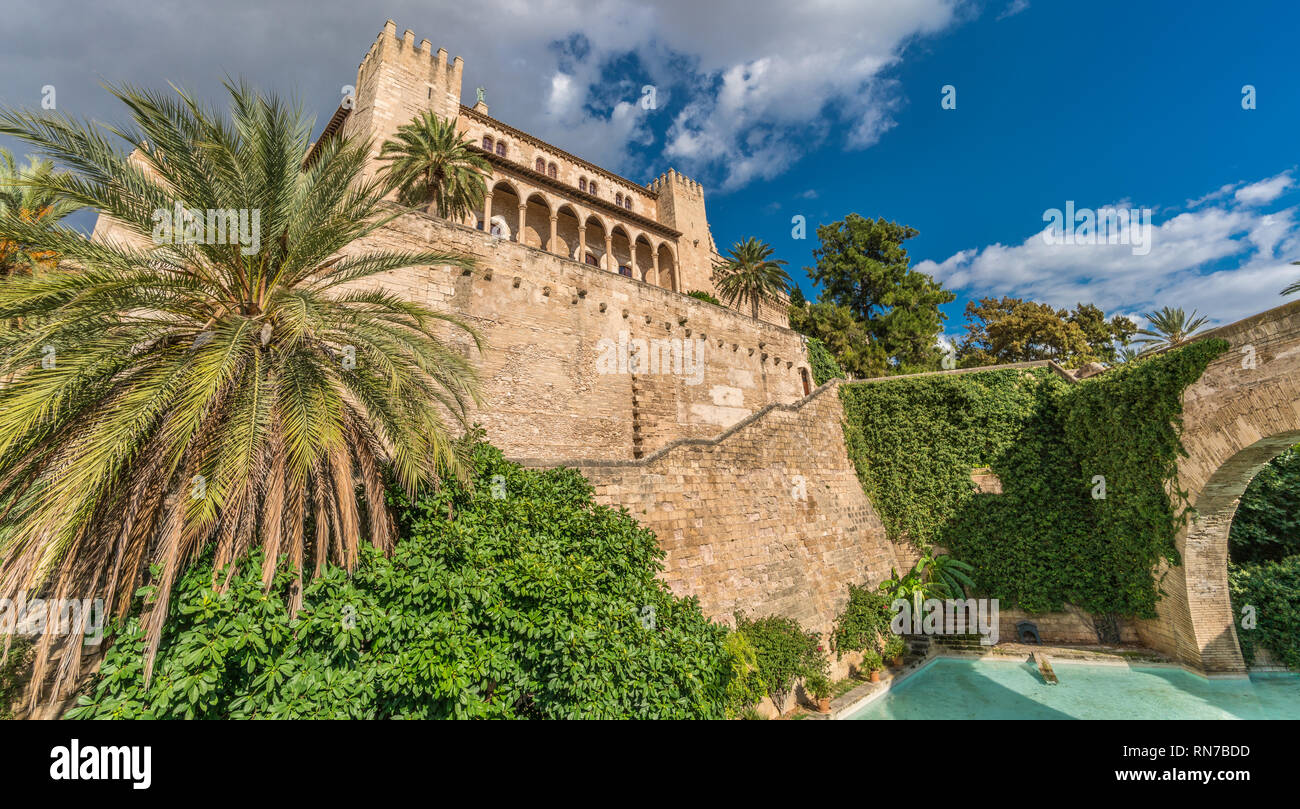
23 194
750 274
429 163
177 398
1169 327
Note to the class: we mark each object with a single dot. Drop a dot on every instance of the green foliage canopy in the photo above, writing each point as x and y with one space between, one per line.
535 604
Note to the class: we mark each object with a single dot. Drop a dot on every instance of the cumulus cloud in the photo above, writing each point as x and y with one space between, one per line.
1228 260
743 88
1264 191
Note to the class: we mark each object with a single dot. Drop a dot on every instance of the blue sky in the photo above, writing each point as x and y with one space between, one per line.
820 109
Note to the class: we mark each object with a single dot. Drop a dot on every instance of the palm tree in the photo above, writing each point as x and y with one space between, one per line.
174 398
22 194
750 274
1294 287
429 163
1169 327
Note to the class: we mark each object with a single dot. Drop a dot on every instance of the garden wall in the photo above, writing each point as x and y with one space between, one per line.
768 517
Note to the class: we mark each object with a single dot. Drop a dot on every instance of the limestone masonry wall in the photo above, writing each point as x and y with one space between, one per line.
768 517
543 318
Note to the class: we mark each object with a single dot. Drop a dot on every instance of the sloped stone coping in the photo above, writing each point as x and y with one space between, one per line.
535 463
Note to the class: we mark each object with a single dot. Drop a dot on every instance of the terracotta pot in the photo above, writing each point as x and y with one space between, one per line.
875 675
824 704
896 661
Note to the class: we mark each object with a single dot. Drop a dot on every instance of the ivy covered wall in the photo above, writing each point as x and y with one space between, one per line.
1084 515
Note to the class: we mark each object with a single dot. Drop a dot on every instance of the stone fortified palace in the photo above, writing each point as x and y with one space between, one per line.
745 480
718 441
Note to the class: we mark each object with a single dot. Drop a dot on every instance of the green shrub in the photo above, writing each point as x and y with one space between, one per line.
894 647
1267 523
785 652
872 661
1273 590
745 687
704 296
818 685
824 366
537 604
863 622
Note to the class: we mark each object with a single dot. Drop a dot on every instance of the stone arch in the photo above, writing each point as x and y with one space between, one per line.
566 231
643 259
667 268
622 244
1241 413
505 207
537 222
596 231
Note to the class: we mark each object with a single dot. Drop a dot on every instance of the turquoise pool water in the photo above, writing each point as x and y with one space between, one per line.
951 688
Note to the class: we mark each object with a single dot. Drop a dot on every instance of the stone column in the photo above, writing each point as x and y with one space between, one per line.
654 255
582 243
554 245
487 211
519 231
610 263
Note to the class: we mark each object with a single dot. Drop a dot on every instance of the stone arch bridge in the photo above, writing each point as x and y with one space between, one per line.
1243 412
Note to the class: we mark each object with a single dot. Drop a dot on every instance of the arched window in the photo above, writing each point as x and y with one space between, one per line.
625 271
592 187
627 202
618 200
582 183
592 260
552 171
501 148
487 143
541 166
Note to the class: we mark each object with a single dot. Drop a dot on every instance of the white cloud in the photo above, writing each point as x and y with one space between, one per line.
1184 267
1013 8
1264 191
743 88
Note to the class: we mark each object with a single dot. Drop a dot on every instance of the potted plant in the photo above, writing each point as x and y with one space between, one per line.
818 685
893 651
871 662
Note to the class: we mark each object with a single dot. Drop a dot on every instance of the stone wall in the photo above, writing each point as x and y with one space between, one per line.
768 517
543 318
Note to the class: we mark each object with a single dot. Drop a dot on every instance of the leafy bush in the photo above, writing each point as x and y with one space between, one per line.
785 652
745 687
824 366
863 622
1267 523
704 296
1273 589
894 647
533 604
872 661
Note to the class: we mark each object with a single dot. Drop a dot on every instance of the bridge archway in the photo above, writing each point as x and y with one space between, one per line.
1243 412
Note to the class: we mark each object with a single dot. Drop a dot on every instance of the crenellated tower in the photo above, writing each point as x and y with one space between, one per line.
681 206
397 80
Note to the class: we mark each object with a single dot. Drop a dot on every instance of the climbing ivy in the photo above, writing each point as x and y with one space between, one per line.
824 366
1046 540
